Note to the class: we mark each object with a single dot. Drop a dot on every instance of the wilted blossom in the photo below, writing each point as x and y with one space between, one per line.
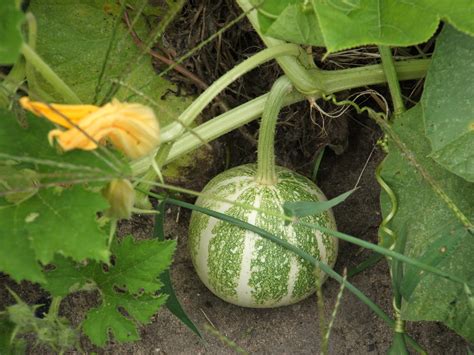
131 127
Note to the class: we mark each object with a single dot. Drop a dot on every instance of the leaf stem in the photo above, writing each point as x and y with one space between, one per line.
45 70
54 308
392 80
266 174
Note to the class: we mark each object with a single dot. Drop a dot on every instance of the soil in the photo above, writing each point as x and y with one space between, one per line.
301 135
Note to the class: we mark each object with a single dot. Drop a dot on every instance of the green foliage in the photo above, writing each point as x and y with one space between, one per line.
128 287
11 18
347 24
35 223
7 346
291 20
52 331
73 38
448 103
52 221
435 234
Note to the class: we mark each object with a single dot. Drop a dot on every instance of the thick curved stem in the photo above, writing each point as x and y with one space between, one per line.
189 115
266 174
336 81
293 68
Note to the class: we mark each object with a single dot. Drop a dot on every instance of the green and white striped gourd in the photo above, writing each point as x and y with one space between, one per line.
245 269
240 266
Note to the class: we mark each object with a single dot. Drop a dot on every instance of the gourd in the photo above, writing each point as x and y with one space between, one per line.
240 266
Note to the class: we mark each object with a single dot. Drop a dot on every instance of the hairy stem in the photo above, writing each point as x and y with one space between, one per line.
266 174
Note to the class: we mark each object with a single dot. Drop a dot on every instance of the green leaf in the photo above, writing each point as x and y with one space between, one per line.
172 303
435 234
307 208
290 20
11 18
73 38
128 287
52 221
448 103
346 24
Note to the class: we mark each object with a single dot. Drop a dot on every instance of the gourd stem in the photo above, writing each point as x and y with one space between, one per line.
266 174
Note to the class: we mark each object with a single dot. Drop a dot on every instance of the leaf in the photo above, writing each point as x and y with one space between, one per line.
172 303
309 208
290 20
11 19
128 287
52 221
346 24
448 103
73 38
36 223
435 234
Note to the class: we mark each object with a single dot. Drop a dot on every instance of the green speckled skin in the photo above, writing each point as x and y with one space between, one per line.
243 268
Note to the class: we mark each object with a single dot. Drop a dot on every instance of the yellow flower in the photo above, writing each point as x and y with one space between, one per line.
131 127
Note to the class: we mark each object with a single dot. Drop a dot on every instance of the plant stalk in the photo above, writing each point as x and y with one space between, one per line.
45 70
54 307
266 174
189 115
388 65
336 81
293 68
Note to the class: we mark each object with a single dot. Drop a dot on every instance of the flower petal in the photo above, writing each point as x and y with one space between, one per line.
132 128
64 115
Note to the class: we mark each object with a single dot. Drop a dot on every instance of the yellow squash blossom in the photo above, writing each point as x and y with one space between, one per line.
131 127
121 196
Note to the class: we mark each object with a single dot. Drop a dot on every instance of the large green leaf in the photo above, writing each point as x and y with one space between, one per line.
74 37
128 285
292 20
346 24
36 222
436 234
51 221
448 103
11 18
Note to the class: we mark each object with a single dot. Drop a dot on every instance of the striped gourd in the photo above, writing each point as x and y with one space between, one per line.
243 268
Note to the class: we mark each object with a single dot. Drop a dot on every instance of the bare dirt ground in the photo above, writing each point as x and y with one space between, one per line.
301 134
